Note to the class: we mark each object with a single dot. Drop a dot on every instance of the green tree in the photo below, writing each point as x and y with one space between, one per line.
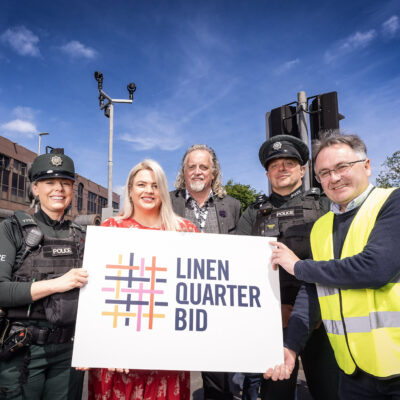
389 175
244 193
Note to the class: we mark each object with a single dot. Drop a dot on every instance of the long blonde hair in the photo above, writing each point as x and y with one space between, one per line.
169 219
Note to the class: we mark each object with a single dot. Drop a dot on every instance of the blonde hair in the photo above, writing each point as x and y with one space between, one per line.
216 186
169 219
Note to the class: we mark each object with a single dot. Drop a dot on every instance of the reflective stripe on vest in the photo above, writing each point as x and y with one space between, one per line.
363 325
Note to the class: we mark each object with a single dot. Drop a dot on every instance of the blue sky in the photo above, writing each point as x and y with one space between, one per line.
206 72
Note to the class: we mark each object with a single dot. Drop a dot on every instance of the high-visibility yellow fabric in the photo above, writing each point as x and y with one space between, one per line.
363 325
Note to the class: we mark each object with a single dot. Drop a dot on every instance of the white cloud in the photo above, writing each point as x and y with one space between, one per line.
358 40
22 40
391 26
154 131
152 141
77 49
24 113
20 126
287 66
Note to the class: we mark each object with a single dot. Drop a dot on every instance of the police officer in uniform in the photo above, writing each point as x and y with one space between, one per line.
289 214
40 277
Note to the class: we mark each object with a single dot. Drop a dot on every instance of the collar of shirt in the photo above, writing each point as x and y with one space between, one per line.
335 208
200 213
210 198
277 200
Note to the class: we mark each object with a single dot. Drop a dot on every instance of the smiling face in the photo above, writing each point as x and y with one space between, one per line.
343 188
145 194
285 175
55 196
198 171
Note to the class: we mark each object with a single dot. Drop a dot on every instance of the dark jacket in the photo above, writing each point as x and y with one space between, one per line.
227 208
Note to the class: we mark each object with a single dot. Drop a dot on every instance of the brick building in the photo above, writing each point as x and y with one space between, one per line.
88 197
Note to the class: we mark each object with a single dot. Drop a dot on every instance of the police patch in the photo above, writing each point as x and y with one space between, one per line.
285 213
61 251
56 161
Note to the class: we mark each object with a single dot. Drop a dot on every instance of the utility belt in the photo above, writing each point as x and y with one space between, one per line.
14 336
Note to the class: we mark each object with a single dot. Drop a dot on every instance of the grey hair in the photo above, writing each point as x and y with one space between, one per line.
333 137
169 219
216 186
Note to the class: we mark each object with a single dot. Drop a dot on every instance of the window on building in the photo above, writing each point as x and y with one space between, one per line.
102 204
18 180
115 205
4 176
80 197
92 203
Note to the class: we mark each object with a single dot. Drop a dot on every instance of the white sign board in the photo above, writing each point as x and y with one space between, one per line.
178 301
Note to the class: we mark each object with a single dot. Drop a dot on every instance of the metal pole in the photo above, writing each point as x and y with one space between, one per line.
302 124
110 156
40 138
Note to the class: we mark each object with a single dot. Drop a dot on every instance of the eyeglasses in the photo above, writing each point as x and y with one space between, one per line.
340 169
286 164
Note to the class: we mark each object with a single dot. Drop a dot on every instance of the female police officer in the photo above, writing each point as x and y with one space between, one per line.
40 260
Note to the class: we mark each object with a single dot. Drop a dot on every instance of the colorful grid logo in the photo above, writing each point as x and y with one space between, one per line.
133 292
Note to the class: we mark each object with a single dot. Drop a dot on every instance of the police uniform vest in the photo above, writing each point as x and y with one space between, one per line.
291 223
363 325
51 258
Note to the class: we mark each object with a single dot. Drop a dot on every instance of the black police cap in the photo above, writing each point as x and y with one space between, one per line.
52 165
283 146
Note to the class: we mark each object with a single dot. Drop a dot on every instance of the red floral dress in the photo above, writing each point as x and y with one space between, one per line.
139 384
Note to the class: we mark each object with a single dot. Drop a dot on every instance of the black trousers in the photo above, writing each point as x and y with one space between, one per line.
216 386
365 387
320 366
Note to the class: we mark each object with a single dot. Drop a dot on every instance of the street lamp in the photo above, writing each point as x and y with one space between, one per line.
40 140
109 113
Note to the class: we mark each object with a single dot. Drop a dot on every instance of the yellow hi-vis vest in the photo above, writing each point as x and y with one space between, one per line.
363 325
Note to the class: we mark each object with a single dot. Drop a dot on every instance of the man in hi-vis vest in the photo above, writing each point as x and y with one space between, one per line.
356 269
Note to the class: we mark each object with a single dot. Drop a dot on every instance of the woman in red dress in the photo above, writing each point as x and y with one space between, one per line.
147 205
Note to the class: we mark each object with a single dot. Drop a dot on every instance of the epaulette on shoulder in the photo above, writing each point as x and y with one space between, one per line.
313 192
24 219
259 201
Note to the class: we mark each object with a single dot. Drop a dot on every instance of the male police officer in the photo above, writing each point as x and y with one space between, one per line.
40 260
288 214
356 267
201 198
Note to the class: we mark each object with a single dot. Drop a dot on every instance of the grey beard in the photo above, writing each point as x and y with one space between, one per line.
197 186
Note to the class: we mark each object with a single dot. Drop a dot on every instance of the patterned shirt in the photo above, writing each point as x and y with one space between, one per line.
200 213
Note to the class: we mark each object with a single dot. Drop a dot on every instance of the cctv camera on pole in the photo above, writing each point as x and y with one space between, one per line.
108 108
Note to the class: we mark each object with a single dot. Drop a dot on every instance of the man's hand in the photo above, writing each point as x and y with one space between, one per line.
283 256
283 371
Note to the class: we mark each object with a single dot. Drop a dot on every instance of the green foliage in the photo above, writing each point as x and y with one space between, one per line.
244 193
389 176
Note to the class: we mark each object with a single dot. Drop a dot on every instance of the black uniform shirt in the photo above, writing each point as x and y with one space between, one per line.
14 294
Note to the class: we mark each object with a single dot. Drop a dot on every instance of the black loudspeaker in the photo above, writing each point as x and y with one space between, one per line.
283 121
324 114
